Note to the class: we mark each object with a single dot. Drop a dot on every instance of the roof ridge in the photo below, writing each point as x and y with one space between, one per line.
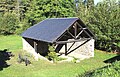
65 18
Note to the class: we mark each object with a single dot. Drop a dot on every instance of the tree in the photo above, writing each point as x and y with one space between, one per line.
106 24
103 20
8 23
14 9
90 3
41 9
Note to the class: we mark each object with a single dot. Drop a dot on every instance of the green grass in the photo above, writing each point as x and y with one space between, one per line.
111 70
13 43
43 68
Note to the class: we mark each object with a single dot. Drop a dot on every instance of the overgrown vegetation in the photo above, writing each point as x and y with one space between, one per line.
112 70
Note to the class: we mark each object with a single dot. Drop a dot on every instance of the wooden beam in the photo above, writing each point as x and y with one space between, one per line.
84 28
86 33
79 25
71 34
79 34
78 46
61 36
70 41
66 36
71 46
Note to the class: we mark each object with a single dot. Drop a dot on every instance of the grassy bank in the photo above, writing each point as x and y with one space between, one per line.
43 68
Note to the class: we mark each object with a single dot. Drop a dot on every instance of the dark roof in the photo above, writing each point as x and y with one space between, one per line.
50 29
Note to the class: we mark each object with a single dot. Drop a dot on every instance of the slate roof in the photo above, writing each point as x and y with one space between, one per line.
50 29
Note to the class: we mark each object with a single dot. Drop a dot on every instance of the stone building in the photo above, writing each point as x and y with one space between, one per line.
70 36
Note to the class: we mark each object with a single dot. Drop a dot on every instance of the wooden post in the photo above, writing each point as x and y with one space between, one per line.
75 31
65 48
35 46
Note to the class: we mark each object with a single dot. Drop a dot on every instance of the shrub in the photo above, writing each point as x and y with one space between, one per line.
52 55
8 23
24 57
23 25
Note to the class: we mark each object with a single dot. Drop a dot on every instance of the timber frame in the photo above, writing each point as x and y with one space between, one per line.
75 35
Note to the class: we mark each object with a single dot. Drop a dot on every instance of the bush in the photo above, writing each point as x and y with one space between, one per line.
8 23
107 45
24 57
53 56
23 25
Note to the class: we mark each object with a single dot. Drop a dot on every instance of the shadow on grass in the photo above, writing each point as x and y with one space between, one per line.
101 70
4 56
111 70
94 72
113 59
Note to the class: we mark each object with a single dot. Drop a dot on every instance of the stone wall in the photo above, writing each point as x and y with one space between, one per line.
86 50
28 45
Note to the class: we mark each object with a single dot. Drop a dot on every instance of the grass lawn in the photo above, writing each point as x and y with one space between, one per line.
12 43
43 68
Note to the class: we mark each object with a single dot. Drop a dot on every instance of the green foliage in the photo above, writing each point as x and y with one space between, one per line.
107 21
117 44
60 59
103 20
51 48
24 58
42 9
112 70
52 54
12 18
74 60
30 12
8 23
23 25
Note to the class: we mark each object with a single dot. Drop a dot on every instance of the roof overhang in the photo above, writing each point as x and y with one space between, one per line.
54 29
